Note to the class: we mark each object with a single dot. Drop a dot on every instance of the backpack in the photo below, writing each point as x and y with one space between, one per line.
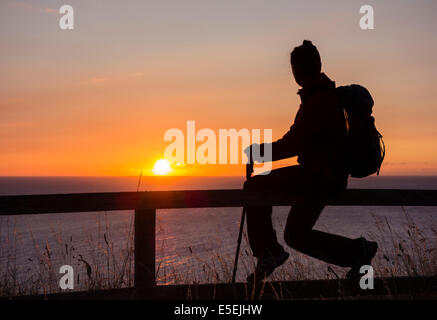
365 147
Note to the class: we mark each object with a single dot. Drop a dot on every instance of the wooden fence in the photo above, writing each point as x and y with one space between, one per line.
145 205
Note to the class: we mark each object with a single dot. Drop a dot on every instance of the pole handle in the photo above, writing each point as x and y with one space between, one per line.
249 167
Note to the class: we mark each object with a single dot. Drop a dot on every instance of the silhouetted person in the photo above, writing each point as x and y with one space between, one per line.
318 138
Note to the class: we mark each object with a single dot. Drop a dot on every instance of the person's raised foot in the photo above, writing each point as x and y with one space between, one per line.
368 251
266 266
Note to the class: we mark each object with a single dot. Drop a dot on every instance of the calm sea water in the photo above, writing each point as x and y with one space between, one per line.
192 244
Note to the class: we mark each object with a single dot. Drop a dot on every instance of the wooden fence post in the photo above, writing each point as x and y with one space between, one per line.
145 220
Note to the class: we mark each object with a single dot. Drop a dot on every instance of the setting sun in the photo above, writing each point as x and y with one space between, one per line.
162 167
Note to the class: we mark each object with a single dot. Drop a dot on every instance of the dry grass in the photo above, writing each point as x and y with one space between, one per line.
102 267
109 264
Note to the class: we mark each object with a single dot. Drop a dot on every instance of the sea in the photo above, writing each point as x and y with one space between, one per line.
192 245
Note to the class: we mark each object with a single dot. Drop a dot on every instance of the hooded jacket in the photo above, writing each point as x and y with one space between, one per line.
318 134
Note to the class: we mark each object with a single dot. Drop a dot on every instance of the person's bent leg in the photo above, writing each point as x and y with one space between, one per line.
260 231
331 248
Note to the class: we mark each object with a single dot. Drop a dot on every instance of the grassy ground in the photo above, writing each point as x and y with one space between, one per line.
111 264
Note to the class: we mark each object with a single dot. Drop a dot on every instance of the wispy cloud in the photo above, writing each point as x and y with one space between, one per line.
27 6
50 10
22 5
95 81
136 74
14 100
16 124
123 77
99 80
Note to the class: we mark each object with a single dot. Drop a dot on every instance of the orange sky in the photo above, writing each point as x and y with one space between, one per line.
97 100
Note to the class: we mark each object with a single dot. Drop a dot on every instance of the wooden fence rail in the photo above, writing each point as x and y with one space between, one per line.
145 205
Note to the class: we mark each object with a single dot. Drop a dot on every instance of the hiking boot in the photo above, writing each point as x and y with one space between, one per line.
368 251
266 266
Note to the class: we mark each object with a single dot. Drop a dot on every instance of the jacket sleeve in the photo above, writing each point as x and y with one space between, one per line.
290 144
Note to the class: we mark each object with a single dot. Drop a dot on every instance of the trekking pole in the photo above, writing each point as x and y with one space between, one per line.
249 171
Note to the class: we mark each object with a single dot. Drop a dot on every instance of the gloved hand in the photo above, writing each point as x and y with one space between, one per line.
249 153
